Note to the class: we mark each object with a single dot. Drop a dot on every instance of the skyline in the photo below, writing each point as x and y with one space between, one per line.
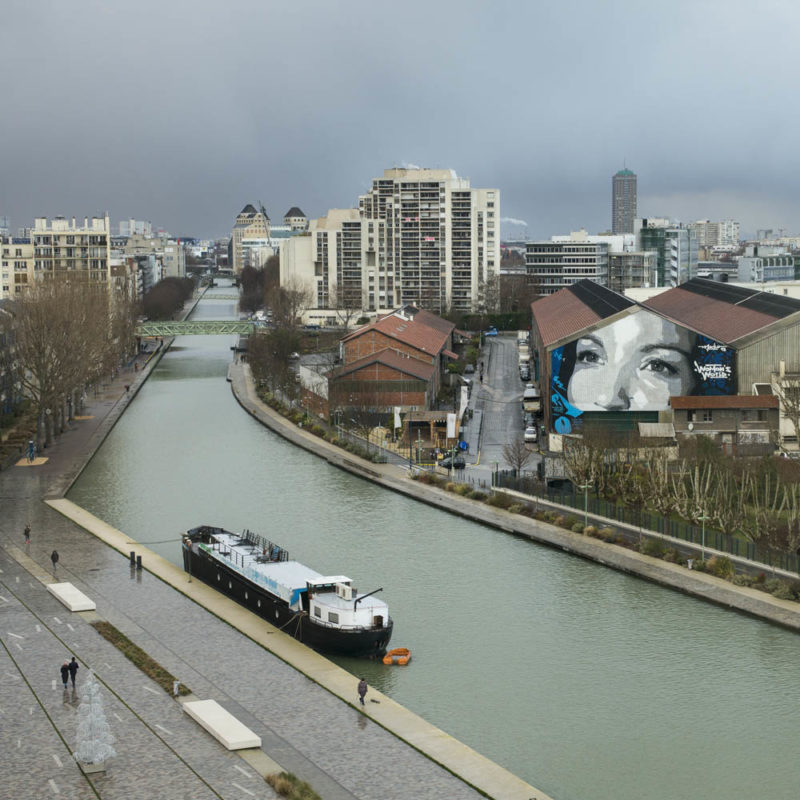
184 114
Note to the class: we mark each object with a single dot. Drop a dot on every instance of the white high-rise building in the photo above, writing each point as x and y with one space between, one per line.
442 238
419 236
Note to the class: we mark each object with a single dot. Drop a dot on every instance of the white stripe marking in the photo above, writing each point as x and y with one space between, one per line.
242 770
15 635
70 627
242 789
18 645
57 760
4 599
19 743
38 629
17 578
148 689
108 666
162 728
117 716
32 584
54 787
57 620
54 685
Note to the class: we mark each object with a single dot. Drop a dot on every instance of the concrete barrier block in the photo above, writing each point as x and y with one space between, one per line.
74 599
223 726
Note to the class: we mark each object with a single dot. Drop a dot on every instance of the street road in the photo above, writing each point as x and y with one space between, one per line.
499 398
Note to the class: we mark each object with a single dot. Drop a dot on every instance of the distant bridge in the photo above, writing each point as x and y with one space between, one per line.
199 328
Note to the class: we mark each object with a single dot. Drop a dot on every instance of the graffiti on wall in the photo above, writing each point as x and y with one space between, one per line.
635 364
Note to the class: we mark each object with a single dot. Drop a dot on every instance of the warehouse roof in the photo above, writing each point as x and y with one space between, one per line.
721 311
574 308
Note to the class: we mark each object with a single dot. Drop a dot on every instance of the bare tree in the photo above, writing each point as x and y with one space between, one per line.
516 454
288 302
346 301
63 339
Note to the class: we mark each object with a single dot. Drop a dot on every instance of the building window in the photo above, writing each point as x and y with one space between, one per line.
708 415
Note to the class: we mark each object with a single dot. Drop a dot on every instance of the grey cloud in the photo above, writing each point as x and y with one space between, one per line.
181 112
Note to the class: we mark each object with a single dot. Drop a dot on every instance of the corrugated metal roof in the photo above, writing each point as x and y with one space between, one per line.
656 430
574 308
724 401
718 319
560 314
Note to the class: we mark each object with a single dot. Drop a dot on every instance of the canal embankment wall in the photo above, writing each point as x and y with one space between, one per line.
700 585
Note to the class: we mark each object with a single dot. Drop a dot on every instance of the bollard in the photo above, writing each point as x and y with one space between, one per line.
138 562
133 557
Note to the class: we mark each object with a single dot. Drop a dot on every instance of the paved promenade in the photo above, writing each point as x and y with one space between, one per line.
306 728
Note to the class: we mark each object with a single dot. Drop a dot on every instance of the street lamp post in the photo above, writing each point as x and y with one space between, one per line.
703 519
585 486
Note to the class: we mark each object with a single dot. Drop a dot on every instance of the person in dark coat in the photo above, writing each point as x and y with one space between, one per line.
73 670
362 690
28 533
64 673
54 559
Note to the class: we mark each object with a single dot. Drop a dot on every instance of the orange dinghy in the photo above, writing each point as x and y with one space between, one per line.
400 655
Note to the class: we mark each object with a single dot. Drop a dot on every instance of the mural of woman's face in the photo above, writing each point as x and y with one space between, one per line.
634 364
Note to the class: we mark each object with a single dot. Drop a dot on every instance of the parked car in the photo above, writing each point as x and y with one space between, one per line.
294 356
531 434
491 332
524 373
456 462
469 369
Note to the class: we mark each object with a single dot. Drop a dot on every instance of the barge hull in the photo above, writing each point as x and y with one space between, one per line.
360 643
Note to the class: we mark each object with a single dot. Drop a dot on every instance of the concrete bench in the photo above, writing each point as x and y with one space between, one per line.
74 599
224 727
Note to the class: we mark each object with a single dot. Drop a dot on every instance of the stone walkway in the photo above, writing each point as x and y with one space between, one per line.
161 753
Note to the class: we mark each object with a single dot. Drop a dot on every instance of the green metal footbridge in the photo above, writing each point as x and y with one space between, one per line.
198 328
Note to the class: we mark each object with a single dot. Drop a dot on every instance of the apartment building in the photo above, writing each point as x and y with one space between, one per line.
16 265
442 239
420 236
765 263
716 234
135 227
168 252
250 238
62 246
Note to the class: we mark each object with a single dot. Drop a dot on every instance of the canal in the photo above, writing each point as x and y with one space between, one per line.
587 683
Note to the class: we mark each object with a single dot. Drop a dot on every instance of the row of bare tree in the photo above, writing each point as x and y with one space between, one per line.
62 336
756 498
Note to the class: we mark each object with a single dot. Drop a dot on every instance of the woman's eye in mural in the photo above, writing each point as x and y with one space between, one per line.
588 355
660 367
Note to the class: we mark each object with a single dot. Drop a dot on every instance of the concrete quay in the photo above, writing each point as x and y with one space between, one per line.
303 707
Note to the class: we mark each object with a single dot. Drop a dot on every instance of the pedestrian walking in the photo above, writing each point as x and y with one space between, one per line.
127 387
362 690
28 533
65 673
73 670
54 559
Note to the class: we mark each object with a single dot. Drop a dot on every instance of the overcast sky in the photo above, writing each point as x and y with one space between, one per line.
181 112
